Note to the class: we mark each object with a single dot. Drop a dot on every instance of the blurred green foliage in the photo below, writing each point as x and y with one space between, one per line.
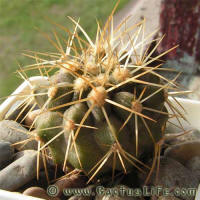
18 19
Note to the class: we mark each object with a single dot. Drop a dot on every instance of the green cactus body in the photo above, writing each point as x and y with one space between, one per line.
105 130
87 151
108 102
47 128
57 93
108 139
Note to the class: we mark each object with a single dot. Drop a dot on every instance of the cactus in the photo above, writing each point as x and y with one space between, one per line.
104 107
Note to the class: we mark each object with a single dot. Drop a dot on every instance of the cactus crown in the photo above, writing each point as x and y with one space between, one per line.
104 107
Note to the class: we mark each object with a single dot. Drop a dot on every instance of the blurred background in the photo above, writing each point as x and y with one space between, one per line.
20 18
22 21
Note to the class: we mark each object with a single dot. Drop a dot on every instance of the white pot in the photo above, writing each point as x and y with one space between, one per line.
5 195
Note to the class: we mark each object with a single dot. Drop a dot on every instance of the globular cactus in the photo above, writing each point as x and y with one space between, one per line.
104 107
